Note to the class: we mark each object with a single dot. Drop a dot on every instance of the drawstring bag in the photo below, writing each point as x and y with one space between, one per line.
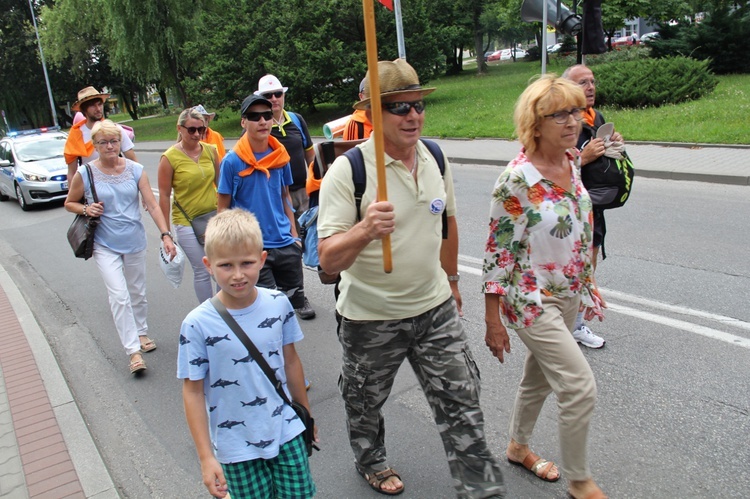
308 222
174 268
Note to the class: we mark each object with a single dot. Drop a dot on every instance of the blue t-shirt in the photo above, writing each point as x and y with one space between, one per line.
120 228
247 418
260 195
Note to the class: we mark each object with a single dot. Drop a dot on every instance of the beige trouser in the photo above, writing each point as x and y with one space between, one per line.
555 363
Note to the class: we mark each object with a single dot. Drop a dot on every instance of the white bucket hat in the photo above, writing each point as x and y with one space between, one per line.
269 83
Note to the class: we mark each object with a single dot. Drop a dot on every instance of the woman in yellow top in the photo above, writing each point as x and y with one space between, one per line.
189 169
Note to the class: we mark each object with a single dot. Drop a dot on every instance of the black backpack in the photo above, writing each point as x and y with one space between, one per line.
609 181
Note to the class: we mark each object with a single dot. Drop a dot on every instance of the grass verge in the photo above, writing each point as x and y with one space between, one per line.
471 106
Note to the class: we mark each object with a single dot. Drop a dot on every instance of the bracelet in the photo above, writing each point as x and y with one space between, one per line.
84 210
454 278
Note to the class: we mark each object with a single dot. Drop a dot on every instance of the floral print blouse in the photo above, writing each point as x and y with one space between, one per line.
540 241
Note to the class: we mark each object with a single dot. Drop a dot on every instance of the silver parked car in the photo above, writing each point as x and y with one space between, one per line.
32 167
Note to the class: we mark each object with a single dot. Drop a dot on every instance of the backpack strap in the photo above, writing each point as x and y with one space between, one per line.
298 123
359 178
437 153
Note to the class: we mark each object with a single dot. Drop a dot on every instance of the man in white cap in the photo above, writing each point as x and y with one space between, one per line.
79 149
412 313
291 130
211 136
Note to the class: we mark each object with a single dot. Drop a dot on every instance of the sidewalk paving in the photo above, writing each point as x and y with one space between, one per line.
46 450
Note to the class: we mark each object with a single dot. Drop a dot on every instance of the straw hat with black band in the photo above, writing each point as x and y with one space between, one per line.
395 77
87 94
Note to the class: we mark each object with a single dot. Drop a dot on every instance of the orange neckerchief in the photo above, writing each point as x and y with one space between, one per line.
589 115
276 159
74 146
312 184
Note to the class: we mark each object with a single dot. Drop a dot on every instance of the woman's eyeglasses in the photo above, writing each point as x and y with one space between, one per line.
276 94
256 116
105 143
192 129
403 108
561 117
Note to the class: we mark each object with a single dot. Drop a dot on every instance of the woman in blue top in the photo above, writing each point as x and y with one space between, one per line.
120 240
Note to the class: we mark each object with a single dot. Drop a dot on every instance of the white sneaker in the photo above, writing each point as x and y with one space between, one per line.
585 337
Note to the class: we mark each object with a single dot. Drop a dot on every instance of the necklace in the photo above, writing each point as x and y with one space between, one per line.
194 155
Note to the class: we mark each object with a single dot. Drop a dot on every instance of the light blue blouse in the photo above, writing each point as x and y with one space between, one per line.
120 229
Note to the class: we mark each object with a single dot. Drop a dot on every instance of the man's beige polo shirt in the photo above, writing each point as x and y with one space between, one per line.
418 282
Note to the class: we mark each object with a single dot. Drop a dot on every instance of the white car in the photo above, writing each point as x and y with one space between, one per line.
506 55
654 35
32 167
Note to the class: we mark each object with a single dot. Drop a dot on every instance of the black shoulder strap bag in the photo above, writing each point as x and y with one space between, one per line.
301 410
81 231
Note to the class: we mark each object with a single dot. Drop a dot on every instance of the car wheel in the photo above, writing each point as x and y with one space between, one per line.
21 200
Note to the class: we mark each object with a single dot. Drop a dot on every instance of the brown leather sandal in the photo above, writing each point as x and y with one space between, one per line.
376 479
538 466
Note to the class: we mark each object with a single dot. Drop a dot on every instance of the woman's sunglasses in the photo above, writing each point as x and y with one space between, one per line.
256 116
276 94
192 129
403 108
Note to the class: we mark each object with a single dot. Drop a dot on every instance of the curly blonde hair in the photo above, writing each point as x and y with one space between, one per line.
107 128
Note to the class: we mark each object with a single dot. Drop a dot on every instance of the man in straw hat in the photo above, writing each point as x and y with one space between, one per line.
211 136
79 149
413 312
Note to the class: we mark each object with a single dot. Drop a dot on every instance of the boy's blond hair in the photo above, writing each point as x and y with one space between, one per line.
236 228
546 95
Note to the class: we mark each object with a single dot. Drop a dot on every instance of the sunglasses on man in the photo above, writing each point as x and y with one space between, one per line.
276 94
403 108
256 116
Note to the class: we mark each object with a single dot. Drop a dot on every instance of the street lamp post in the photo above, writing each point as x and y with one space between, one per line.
44 66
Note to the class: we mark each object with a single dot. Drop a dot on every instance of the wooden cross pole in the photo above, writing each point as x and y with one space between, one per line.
377 117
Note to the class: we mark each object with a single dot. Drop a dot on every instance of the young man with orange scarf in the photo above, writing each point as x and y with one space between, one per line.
255 176
79 149
592 151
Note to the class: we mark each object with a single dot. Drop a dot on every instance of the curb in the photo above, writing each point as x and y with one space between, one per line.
93 474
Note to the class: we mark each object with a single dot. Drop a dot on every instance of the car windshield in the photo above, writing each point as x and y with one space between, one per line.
42 149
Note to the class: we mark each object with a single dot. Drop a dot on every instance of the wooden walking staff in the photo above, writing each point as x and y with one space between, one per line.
377 118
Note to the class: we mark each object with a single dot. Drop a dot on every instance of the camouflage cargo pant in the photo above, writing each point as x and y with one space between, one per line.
437 349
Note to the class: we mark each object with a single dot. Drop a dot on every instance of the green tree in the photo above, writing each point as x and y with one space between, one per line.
316 48
23 90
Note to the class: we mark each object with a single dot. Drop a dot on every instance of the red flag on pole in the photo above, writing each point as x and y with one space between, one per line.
388 4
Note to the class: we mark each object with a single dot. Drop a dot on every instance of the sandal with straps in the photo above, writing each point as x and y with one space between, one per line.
137 364
376 479
147 344
538 466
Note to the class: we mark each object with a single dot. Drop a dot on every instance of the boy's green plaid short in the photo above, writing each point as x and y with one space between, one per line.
285 476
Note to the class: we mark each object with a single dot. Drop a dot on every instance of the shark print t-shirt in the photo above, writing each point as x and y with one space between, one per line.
247 418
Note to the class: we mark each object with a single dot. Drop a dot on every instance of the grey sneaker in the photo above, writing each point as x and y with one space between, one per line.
585 337
306 312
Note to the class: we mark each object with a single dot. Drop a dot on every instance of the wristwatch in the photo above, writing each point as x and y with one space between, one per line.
167 234
454 278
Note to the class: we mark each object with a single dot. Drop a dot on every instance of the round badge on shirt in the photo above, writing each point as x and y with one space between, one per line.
437 206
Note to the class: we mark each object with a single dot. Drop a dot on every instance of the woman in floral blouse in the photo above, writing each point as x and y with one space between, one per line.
537 274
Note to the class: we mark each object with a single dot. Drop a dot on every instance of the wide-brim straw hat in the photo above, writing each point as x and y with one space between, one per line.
87 94
395 77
